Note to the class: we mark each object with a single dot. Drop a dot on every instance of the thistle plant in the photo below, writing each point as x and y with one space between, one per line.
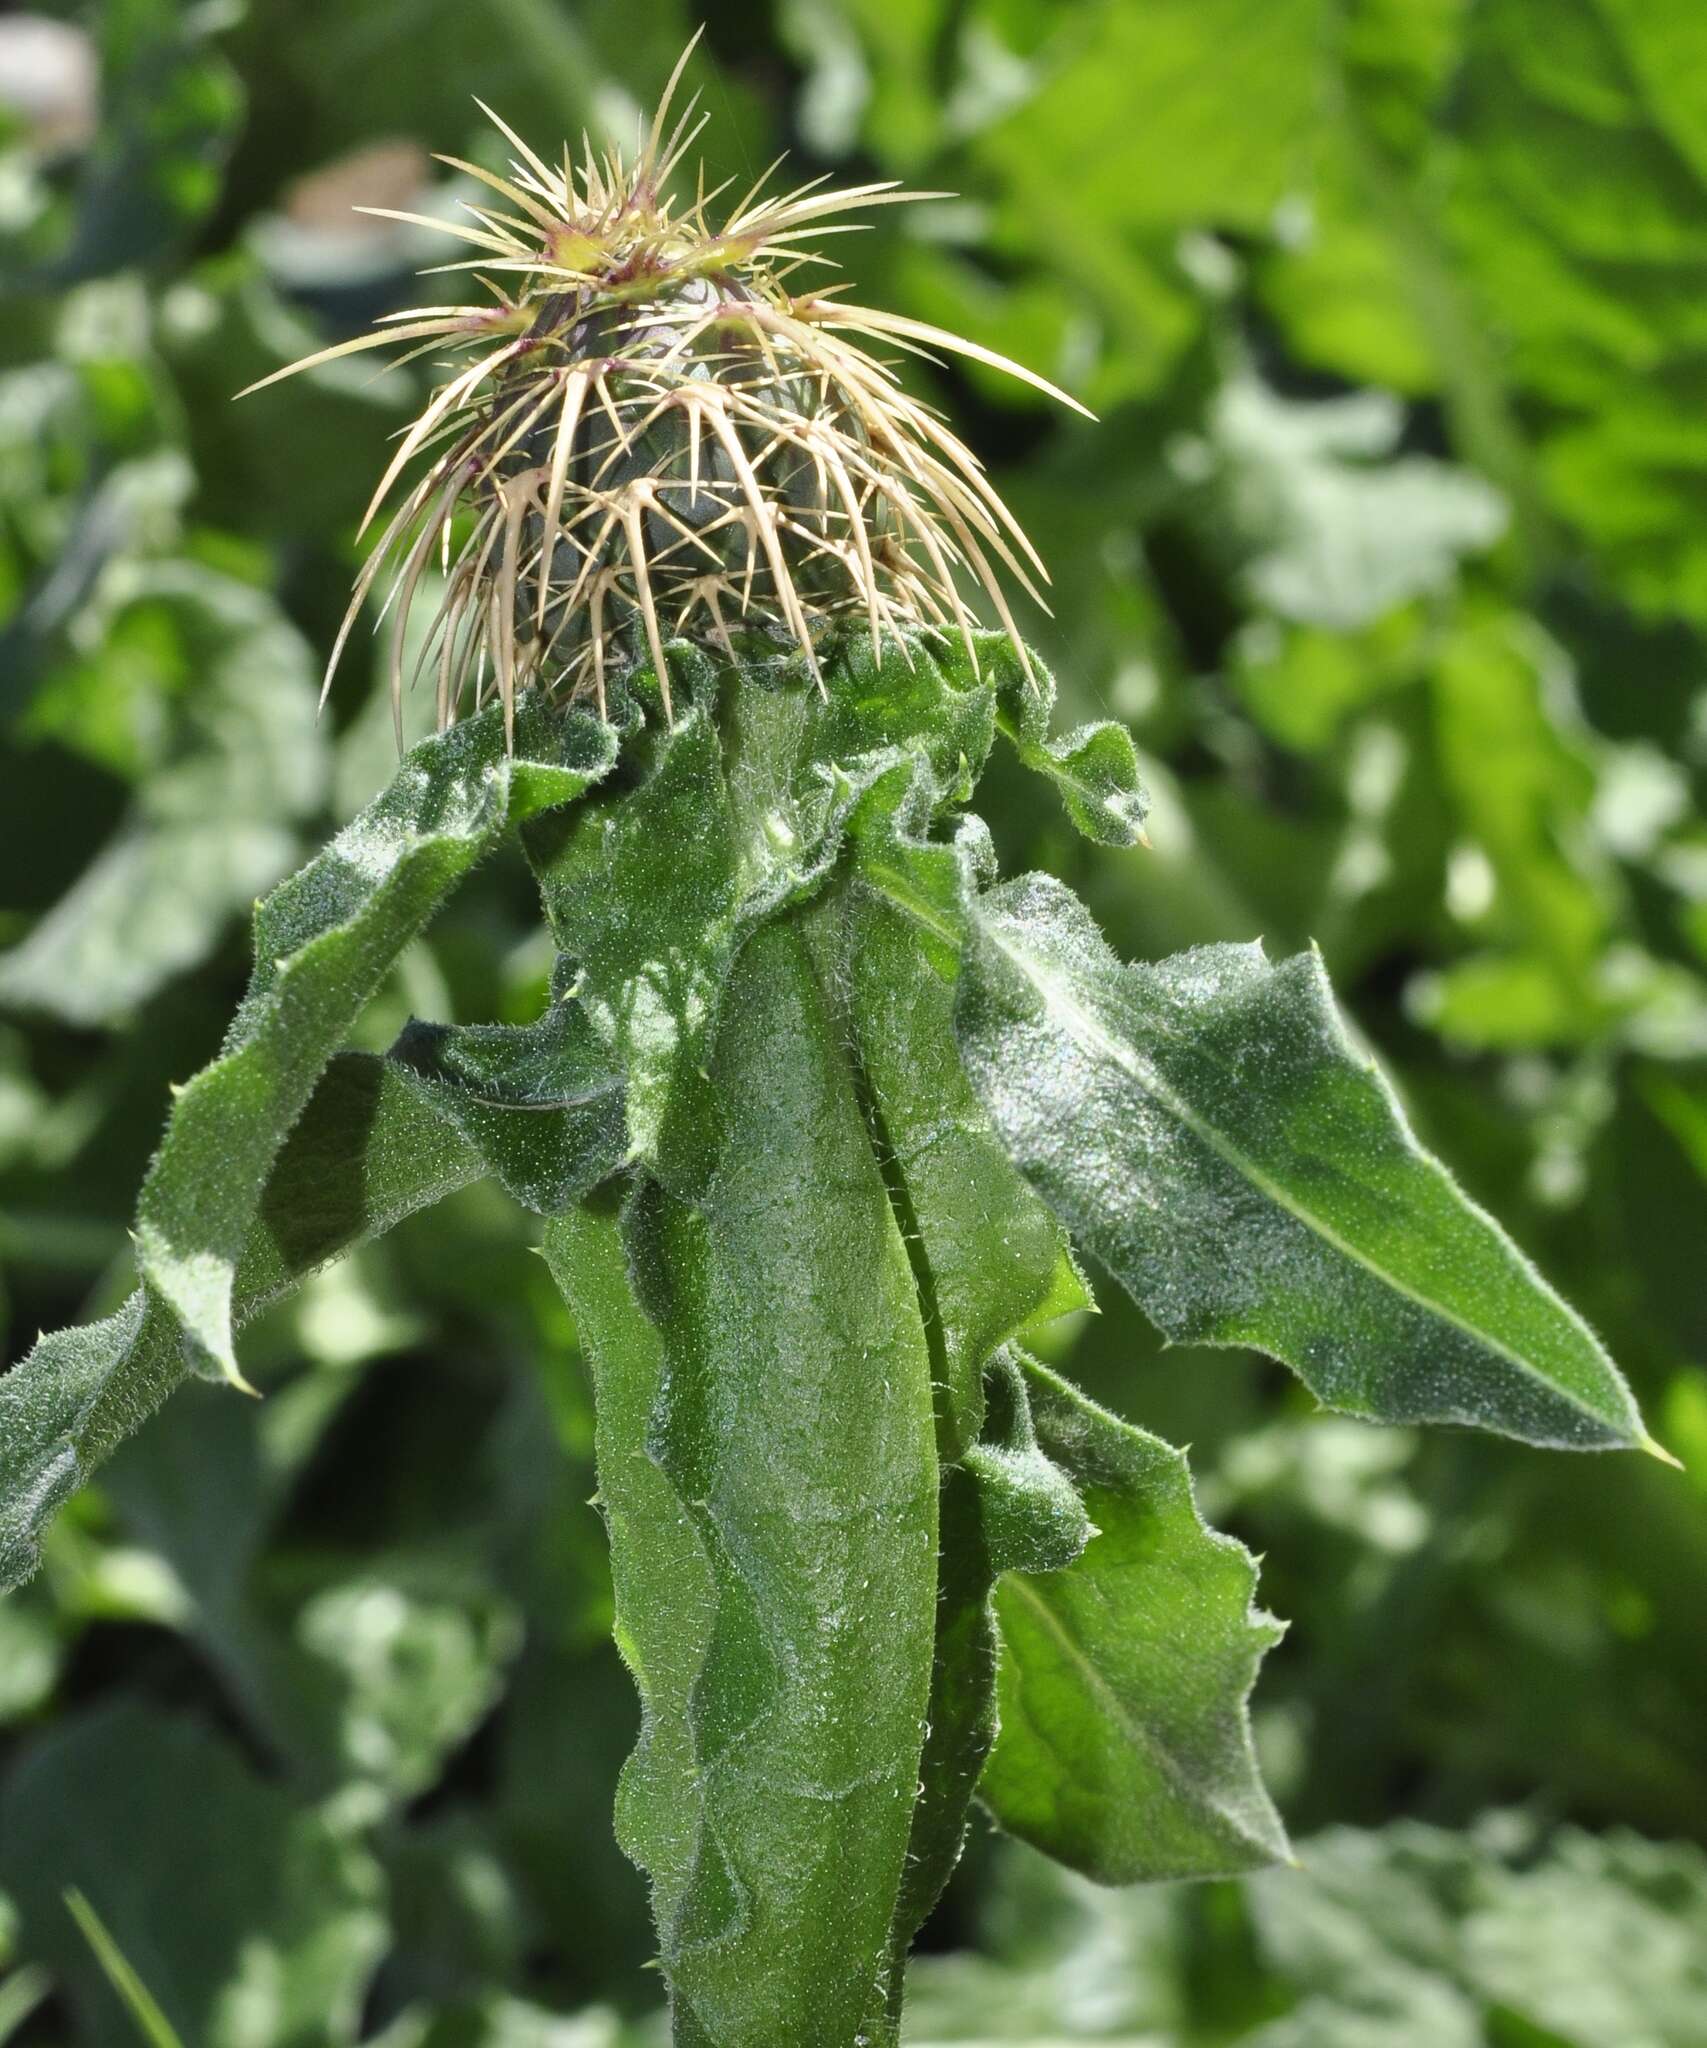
652 432
823 1119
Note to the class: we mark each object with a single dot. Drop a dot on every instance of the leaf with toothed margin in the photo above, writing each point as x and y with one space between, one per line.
661 1579
737 810
989 1257
643 889
1206 1130
541 1102
1094 768
324 939
380 1138
1125 1747
369 1150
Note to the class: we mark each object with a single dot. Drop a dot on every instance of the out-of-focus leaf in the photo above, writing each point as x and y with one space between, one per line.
326 1686
1130 114
1330 525
1592 1943
414 1667
1304 683
1604 1943
1522 784
218 802
1406 1937
30 1657
21 1991
1063 1961
500 2022
1205 1127
303 458
1575 214
1125 1747
170 106
772 1795
141 1810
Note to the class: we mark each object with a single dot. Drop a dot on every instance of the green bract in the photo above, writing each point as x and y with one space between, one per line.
818 1116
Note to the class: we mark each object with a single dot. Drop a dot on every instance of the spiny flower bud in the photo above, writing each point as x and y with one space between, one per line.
646 434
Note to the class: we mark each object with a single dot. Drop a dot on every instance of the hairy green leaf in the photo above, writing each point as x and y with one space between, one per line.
795 1737
370 1149
1125 1749
642 891
740 809
988 1259
323 941
664 1588
1005 1507
1095 768
1206 1129
541 1102
988 1255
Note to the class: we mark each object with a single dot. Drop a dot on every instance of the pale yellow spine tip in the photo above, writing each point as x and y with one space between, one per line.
232 1374
1658 1450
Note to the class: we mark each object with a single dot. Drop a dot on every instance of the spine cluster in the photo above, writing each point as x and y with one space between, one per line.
644 432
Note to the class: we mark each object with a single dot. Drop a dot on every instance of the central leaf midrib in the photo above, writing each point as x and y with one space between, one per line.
1091 1034
1141 1736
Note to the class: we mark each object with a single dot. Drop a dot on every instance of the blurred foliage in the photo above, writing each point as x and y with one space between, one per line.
1386 548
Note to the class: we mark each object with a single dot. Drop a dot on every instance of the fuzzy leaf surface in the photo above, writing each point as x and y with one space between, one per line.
988 1255
1205 1128
323 941
370 1149
1125 1747
380 1138
988 1259
735 811
540 1102
1005 1506
790 1415
1094 768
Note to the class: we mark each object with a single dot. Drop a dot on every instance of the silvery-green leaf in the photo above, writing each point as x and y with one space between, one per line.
1205 1128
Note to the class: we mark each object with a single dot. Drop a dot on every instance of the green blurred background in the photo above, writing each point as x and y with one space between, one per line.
1391 547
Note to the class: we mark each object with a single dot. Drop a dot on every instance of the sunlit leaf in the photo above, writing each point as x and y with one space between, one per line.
1206 1129
771 1797
1125 1751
